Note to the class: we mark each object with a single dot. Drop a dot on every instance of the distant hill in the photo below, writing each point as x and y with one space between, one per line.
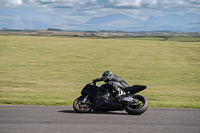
114 19
175 19
32 19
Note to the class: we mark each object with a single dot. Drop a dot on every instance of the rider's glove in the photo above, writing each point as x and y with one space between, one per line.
94 81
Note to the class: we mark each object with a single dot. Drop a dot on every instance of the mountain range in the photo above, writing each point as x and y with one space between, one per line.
30 19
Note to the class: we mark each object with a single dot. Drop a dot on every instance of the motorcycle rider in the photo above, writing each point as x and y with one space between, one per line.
114 81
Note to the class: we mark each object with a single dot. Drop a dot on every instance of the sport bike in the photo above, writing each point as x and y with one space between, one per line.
103 99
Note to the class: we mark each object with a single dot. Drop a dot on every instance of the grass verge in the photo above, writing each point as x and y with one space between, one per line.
39 70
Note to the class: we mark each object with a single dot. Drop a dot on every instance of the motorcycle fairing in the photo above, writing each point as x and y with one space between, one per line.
91 90
98 103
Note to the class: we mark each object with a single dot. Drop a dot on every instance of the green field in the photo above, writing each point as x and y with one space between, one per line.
41 70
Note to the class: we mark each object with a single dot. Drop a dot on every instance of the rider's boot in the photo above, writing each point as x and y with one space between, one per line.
119 92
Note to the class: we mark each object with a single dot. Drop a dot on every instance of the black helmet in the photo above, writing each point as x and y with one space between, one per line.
107 73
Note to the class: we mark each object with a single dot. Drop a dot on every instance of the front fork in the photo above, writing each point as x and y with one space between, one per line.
85 99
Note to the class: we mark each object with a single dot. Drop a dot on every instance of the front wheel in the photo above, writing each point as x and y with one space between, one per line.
138 106
83 104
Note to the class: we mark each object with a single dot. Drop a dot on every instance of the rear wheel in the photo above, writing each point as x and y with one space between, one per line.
138 106
82 104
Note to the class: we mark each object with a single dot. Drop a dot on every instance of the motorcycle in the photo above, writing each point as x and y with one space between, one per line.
103 98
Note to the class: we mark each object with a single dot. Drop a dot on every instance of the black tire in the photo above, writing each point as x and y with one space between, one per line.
139 108
80 107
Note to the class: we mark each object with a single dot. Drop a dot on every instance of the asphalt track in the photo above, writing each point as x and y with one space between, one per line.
59 119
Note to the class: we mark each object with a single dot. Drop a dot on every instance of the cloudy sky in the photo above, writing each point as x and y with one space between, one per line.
83 10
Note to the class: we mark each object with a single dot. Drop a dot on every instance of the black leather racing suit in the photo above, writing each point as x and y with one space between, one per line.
113 81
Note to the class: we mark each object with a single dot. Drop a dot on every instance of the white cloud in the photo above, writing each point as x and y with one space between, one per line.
16 2
104 3
136 3
85 9
11 3
50 0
